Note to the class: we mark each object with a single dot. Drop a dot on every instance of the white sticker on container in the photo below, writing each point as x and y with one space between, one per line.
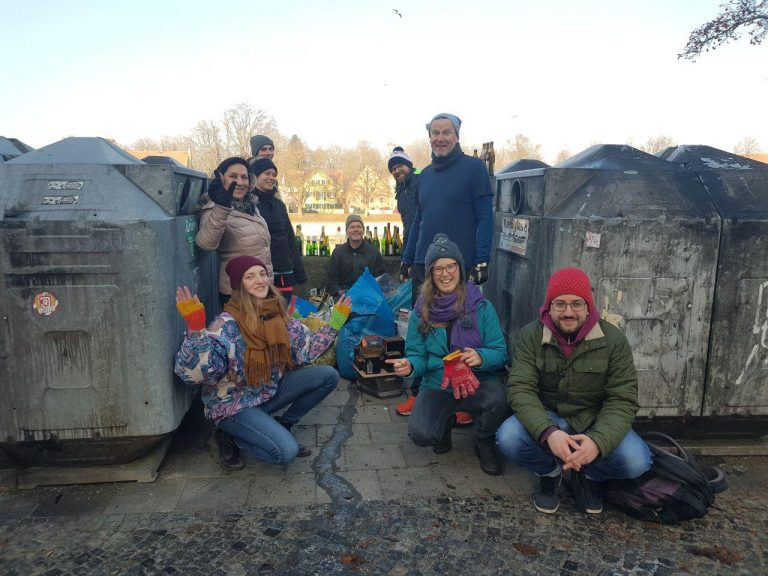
60 200
45 303
514 235
593 240
65 184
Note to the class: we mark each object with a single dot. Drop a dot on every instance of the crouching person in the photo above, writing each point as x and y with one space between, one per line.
250 363
456 345
573 390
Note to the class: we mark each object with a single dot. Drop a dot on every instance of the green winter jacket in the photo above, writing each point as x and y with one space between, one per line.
426 351
595 390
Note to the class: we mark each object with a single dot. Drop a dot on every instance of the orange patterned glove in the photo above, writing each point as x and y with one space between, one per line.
193 313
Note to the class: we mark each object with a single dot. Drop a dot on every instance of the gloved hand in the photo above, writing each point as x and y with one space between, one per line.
459 376
340 312
405 271
479 273
220 195
191 309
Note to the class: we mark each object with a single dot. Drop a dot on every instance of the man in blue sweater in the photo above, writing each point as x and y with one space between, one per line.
455 198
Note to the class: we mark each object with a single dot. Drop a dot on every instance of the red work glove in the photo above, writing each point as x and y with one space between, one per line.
459 376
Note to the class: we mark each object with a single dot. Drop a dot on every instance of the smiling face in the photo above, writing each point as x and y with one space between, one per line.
567 319
442 137
266 151
446 275
266 180
256 281
238 174
355 232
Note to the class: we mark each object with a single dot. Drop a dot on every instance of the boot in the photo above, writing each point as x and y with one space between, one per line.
229 453
303 450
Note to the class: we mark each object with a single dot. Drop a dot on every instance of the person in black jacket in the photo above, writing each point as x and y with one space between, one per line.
287 265
406 178
349 260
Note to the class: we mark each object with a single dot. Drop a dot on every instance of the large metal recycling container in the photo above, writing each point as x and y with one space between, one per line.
737 369
11 148
645 231
94 243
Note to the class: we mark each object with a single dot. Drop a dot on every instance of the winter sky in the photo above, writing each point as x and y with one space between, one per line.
567 74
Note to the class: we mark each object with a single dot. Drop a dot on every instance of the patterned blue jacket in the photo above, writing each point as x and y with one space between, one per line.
214 359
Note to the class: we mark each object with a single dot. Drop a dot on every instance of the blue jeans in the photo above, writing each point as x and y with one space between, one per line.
629 459
432 416
257 432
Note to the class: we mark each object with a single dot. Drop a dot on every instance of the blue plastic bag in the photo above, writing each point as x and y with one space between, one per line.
401 298
370 315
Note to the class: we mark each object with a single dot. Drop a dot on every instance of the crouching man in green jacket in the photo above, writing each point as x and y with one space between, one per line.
573 390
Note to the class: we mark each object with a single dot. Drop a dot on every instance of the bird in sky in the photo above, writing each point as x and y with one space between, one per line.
397 12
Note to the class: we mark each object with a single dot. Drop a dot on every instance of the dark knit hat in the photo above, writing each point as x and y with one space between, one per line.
455 120
353 218
238 266
259 165
399 157
258 141
442 247
570 281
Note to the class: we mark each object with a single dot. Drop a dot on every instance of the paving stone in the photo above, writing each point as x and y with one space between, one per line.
159 496
360 434
371 413
283 488
389 432
373 457
229 493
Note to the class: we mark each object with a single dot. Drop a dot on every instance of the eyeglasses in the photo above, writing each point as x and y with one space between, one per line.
560 306
450 268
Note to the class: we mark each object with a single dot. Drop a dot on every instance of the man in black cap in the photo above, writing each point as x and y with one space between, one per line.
350 259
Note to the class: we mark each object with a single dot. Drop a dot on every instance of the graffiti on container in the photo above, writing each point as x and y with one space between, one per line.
45 303
615 319
514 235
759 354
59 200
593 240
190 231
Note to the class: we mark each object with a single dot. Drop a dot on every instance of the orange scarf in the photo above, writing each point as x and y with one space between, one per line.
266 346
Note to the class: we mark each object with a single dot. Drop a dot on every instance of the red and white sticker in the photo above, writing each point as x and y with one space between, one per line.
45 303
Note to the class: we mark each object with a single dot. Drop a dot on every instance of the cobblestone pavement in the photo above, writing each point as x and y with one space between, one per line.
368 502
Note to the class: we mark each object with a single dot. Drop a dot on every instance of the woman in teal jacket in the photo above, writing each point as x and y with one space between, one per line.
456 346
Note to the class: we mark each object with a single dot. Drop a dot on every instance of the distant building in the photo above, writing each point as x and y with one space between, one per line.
323 195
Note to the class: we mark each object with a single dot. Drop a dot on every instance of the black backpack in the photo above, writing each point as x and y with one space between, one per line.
676 487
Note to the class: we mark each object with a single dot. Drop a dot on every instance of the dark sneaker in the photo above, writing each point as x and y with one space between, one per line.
229 453
489 459
586 492
303 451
545 497
443 446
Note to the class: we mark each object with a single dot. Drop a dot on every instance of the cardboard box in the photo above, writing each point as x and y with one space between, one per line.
380 384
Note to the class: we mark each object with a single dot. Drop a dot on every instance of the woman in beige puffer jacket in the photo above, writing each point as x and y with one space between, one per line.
230 223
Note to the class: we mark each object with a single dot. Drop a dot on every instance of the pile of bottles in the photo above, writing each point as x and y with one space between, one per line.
389 245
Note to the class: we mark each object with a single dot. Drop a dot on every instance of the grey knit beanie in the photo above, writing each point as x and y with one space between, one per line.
455 120
353 218
442 247
399 157
258 141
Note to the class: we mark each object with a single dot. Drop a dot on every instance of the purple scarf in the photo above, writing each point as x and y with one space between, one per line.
464 332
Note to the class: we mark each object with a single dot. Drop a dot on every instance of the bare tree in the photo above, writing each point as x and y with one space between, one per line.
145 144
562 156
518 148
242 122
657 144
295 169
747 146
736 15
368 186
207 146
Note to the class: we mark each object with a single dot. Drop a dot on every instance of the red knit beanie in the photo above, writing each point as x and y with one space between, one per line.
570 281
238 266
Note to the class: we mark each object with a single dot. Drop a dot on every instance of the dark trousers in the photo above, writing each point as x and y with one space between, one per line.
431 420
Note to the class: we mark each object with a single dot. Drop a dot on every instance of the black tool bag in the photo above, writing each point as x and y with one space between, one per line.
676 488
